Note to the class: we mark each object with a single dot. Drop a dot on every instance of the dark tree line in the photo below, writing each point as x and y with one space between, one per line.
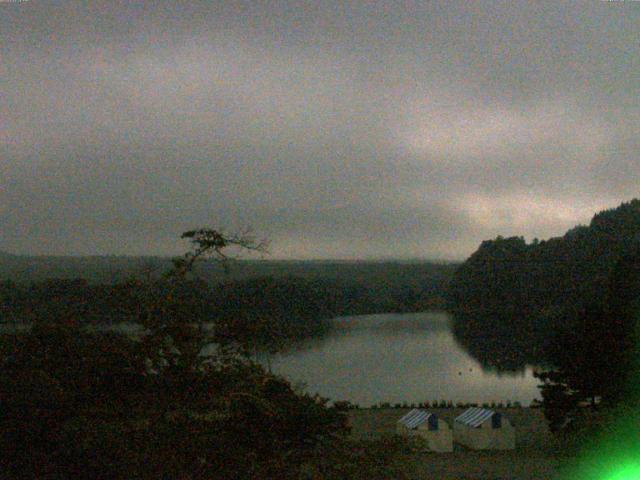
257 313
595 350
570 304
510 297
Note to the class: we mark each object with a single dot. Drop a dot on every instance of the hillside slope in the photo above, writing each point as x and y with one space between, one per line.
509 296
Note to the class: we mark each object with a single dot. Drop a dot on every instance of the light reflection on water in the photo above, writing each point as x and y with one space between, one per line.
392 358
398 358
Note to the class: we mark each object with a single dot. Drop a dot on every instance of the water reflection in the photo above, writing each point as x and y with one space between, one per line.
398 358
393 358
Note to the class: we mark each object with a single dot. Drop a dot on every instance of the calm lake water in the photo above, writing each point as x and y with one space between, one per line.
398 358
392 358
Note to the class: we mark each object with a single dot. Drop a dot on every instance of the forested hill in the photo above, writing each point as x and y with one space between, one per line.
367 286
268 301
509 297
104 269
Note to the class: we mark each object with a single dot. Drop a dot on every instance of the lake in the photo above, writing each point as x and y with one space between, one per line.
395 358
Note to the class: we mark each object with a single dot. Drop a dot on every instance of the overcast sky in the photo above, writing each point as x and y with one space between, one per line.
367 130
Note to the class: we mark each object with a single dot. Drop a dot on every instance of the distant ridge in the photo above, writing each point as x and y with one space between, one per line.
112 268
438 261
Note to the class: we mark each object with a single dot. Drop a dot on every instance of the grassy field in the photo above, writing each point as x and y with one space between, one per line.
535 457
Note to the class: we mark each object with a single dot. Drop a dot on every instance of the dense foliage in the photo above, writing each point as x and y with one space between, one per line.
385 286
594 352
254 312
78 405
571 304
81 404
509 298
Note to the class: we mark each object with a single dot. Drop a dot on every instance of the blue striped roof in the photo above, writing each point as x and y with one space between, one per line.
474 417
415 418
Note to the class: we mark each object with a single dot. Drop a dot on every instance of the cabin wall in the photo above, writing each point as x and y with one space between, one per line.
485 437
440 440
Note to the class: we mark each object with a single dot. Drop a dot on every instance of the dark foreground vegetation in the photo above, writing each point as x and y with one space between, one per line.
78 404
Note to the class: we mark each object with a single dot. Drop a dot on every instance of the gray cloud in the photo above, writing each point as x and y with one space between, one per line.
375 129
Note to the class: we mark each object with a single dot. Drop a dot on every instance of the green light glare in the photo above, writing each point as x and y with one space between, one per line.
613 453
626 472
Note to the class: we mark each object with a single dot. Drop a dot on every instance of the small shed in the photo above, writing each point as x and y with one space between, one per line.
483 429
426 425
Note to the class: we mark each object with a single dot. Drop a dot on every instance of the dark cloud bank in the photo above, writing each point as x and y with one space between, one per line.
377 129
